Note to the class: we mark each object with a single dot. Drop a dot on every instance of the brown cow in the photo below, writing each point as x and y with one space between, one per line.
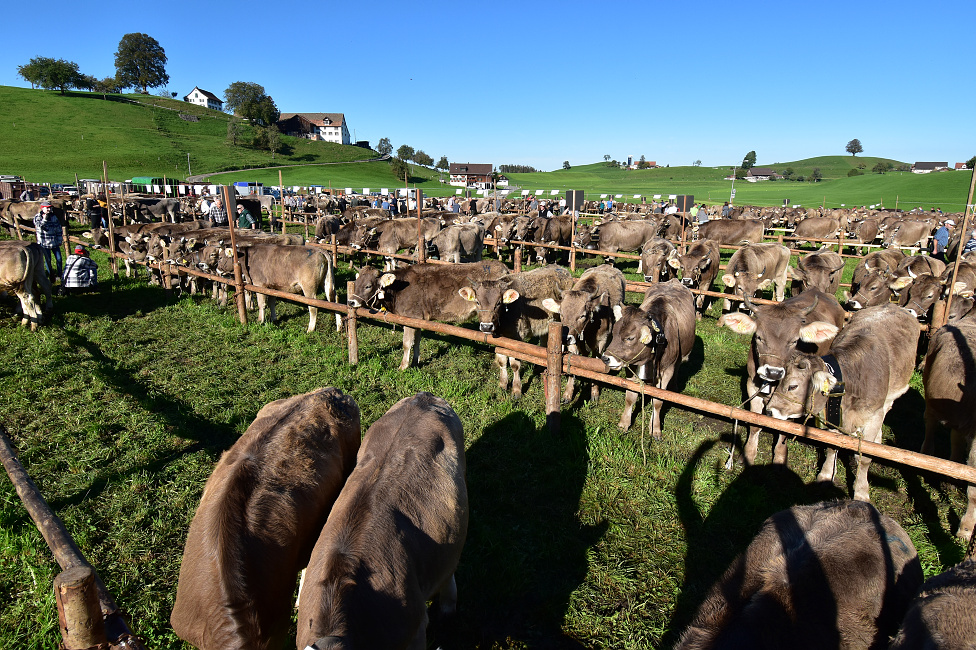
655 254
828 575
908 233
460 240
256 525
425 291
394 537
949 376
873 359
821 269
511 307
754 267
943 615
816 228
777 332
731 232
653 340
22 272
587 312
697 269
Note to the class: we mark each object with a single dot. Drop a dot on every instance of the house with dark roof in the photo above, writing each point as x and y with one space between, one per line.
330 127
470 175
760 174
926 167
205 98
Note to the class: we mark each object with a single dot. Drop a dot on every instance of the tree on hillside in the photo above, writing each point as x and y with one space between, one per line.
566 164
140 62
815 175
749 161
52 74
384 148
422 158
789 173
405 152
971 163
248 100
234 130
106 86
606 157
443 164
400 168
881 167
854 147
697 163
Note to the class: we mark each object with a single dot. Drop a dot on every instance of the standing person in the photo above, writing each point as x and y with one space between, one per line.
971 244
941 240
47 227
217 214
244 218
702 214
80 272
27 195
726 210
609 204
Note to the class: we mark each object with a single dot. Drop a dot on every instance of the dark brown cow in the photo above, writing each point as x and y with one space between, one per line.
921 296
399 234
22 272
875 354
556 231
965 280
394 537
292 269
949 376
460 241
258 519
587 312
426 291
864 231
512 307
697 269
828 575
816 228
731 232
655 254
907 233
777 332
820 270
884 261
756 267
943 615
625 235
326 226
653 340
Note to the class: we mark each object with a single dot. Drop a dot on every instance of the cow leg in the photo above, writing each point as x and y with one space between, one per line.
872 433
625 418
969 519
411 349
501 361
931 428
516 377
572 348
658 403
447 596
262 301
961 444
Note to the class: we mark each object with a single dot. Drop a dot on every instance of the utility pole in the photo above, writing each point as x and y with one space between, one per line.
188 172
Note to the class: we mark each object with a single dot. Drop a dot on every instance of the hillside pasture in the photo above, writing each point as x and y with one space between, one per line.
121 406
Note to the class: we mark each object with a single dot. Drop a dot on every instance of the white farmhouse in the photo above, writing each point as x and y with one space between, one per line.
205 98
330 127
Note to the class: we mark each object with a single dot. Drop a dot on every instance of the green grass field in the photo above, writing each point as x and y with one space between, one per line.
53 137
590 538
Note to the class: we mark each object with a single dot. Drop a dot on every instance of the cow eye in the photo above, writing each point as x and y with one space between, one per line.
792 387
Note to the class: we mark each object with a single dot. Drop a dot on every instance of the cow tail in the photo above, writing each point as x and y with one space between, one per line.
329 284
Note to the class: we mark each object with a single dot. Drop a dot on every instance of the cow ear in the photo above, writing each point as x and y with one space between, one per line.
467 293
510 296
551 305
824 381
794 273
818 332
87 234
728 280
738 322
673 261
959 289
618 312
901 283
604 299
498 226
645 335
387 279
705 262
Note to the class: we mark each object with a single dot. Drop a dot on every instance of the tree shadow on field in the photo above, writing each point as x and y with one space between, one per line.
179 415
713 540
526 548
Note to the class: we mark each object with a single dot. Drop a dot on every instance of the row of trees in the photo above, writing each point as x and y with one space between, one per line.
140 62
404 154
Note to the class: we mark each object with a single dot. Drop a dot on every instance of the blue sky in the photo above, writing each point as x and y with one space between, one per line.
538 83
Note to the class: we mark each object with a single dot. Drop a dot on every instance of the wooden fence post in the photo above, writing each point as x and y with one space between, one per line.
351 325
111 225
79 614
517 265
230 204
553 379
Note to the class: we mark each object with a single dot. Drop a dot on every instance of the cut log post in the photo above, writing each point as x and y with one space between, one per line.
554 367
79 615
351 326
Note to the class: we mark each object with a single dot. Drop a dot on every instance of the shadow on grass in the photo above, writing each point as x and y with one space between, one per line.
526 549
716 538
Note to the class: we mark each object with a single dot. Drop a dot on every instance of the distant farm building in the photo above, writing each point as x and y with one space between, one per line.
205 98
761 174
330 127
961 166
470 175
926 167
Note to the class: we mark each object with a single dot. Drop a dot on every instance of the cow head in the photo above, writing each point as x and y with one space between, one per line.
577 309
921 295
368 287
635 337
818 270
804 388
656 255
490 298
746 283
875 289
690 267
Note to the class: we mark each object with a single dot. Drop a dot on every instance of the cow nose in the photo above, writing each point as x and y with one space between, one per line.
488 328
352 302
772 373
648 278
570 339
687 282
913 313
855 304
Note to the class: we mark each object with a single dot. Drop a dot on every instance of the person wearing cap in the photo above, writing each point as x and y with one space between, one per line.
244 218
941 240
80 272
47 228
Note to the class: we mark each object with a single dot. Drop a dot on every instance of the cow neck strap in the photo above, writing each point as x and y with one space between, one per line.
833 415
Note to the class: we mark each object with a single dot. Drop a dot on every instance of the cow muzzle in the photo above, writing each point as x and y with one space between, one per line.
612 362
487 328
771 373
688 282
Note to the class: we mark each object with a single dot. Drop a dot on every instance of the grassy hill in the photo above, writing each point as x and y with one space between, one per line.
50 138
